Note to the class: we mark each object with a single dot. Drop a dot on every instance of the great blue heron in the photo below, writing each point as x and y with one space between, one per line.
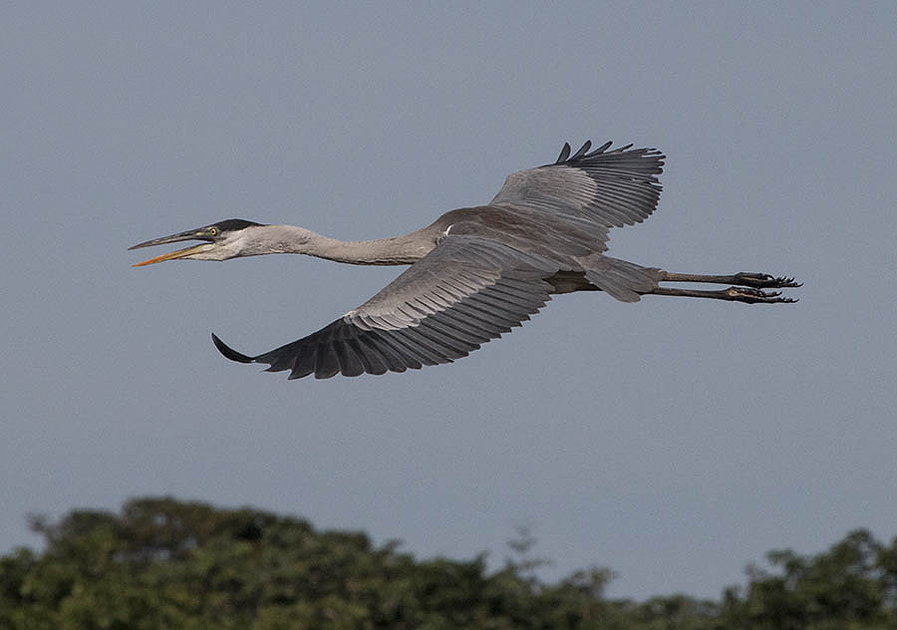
476 272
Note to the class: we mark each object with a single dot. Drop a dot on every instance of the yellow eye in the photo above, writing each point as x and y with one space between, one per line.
213 231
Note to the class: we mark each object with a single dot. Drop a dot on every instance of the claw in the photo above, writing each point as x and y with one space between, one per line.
788 282
765 281
750 295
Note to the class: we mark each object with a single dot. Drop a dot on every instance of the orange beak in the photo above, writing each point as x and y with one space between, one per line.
189 235
171 255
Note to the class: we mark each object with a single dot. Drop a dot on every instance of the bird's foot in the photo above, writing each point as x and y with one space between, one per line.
765 281
756 296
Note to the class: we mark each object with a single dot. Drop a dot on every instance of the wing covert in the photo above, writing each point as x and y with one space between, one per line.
465 292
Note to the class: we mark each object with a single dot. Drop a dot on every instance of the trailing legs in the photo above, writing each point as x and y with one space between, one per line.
747 287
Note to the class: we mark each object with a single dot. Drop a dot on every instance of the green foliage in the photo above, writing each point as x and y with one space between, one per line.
163 563
852 585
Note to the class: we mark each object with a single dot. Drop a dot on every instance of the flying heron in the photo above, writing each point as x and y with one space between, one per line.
476 272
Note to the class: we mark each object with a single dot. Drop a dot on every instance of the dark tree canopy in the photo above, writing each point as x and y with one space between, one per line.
164 563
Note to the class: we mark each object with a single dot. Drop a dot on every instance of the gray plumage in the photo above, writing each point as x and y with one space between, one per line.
476 272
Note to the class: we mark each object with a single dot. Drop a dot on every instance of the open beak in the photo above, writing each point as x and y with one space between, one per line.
189 235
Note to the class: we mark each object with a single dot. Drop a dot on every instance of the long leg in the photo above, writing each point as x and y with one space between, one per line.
743 279
732 294
626 281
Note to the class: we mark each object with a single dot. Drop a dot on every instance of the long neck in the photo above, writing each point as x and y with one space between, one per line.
398 250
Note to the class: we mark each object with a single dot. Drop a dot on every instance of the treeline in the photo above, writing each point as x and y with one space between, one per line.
163 563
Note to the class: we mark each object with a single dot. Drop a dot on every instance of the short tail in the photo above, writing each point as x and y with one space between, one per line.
623 280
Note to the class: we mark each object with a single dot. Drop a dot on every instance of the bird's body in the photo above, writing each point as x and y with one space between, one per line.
476 272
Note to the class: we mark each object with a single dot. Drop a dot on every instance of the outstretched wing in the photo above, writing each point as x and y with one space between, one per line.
465 292
610 188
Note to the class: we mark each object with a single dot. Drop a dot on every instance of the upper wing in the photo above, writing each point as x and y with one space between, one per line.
610 188
465 292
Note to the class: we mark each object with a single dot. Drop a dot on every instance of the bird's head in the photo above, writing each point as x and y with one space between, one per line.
221 241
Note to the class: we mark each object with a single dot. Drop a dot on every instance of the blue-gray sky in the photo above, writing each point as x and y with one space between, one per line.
672 440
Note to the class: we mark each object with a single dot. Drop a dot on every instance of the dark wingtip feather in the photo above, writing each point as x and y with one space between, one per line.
582 150
229 352
604 147
565 153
